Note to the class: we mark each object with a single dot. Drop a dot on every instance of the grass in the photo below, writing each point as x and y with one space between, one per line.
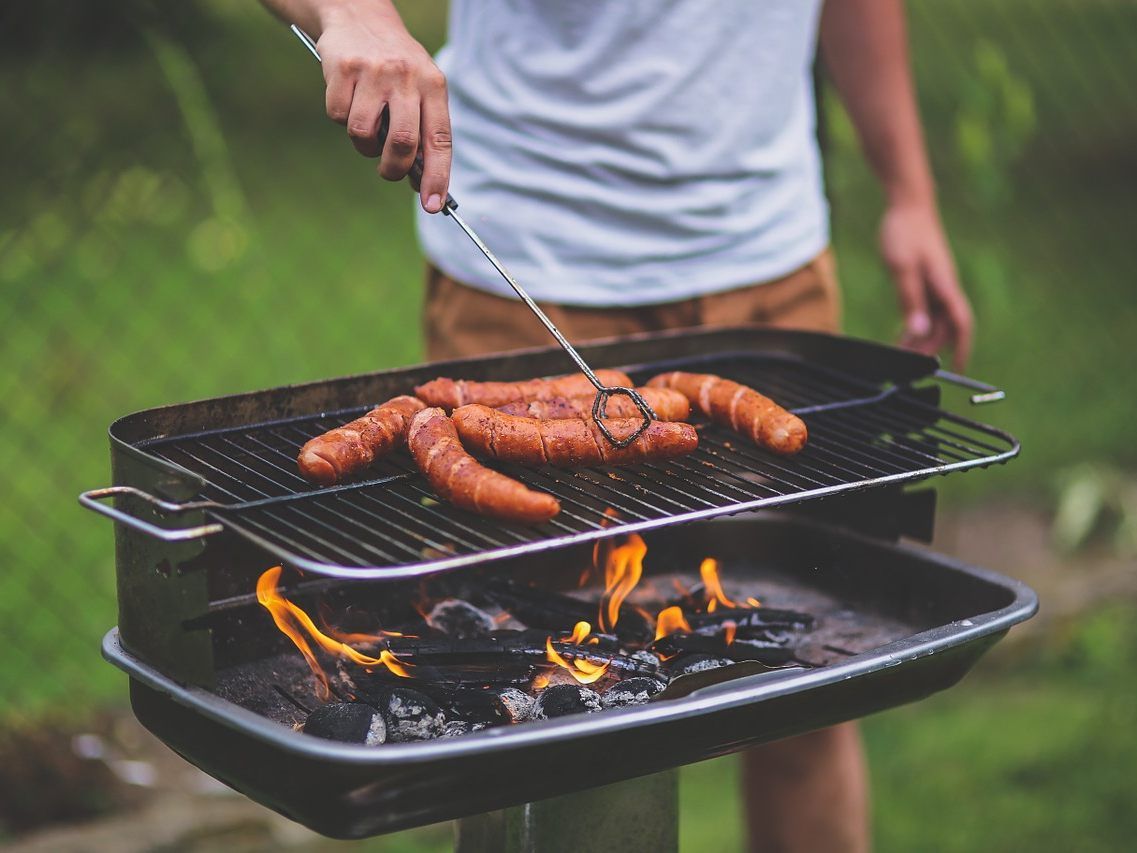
193 227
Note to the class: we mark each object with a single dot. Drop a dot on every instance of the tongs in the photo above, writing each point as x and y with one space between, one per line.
450 208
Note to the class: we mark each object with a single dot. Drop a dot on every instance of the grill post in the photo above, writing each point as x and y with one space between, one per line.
637 815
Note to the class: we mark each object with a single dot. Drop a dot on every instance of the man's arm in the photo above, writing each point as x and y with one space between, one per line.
865 46
371 62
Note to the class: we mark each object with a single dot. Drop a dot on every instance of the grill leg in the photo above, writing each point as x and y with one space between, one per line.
637 815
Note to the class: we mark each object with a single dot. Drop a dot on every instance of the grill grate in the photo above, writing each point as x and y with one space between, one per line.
390 525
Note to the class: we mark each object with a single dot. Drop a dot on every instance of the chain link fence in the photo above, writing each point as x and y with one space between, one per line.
177 216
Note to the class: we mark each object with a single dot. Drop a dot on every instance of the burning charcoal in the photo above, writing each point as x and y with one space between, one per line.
517 703
460 619
349 722
646 659
758 618
630 691
564 699
697 663
763 651
552 611
411 715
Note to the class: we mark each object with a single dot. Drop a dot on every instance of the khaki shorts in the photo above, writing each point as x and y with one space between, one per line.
461 320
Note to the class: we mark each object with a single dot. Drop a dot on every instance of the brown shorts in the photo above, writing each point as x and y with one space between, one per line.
461 320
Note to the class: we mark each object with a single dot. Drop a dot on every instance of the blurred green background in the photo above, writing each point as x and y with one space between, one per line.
176 211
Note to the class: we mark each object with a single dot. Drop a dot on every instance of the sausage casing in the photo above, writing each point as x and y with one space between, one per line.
452 393
456 476
668 405
569 442
739 407
329 458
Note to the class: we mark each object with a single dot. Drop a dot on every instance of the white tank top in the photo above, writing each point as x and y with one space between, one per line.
623 152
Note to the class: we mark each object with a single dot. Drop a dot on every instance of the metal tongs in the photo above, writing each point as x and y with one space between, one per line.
450 208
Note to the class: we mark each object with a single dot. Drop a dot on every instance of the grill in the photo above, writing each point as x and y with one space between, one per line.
864 431
207 498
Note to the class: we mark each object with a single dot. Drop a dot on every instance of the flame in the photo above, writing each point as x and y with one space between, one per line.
709 572
729 629
584 671
284 613
540 681
622 571
753 602
670 620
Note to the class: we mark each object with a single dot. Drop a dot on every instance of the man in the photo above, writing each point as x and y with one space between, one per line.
643 164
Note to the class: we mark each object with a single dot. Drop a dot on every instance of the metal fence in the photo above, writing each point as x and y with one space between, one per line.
176 215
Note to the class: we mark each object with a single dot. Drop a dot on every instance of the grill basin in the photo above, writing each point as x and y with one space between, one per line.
924 619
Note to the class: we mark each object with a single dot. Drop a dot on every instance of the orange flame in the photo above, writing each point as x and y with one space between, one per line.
670 620
729 629
622 571
709 572
584 671
284 613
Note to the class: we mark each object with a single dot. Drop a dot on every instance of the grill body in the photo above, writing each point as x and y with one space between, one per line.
944 616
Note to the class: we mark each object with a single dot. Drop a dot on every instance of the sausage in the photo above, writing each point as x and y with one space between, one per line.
575 441
459 478
329 458
668 406
452 393
739 407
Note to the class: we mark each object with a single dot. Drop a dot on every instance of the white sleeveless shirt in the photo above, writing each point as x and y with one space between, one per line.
624 152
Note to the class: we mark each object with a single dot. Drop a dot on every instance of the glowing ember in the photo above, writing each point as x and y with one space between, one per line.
729 629
753 602
285 614
541 681
582 670
709 572
670 620
622 571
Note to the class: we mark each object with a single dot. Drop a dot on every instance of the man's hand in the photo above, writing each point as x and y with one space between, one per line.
371 64
936 311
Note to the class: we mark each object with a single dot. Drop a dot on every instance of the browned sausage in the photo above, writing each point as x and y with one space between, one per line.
741 408
668 406
452 393
458 477
575 441
329 458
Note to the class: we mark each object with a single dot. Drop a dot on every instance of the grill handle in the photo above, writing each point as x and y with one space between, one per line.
90 500
988 393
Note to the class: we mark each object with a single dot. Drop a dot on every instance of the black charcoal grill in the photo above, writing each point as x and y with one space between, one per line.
207 498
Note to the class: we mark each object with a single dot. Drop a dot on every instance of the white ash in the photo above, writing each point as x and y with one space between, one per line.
631 691
697 663
645 657
412 716
456 728
460 619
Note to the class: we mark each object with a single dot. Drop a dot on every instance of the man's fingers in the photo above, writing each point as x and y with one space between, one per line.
402 138
338 99
367 105
913 301
436 146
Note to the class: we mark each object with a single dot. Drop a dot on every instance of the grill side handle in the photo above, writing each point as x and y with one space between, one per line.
987 393
91 500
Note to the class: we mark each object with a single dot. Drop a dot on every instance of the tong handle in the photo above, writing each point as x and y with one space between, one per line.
90 500
987 393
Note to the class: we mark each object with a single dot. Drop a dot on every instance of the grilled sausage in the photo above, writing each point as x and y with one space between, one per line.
329 458
452 393
668 406
741 408
575 441
458 477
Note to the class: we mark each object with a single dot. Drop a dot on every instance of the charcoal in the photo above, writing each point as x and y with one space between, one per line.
552 611
456 728
460 619
630 691
753 618
650 660
763 651
411 715
687 664
350 722
564 699
517 703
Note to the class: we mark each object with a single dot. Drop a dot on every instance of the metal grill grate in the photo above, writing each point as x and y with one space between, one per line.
391 525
